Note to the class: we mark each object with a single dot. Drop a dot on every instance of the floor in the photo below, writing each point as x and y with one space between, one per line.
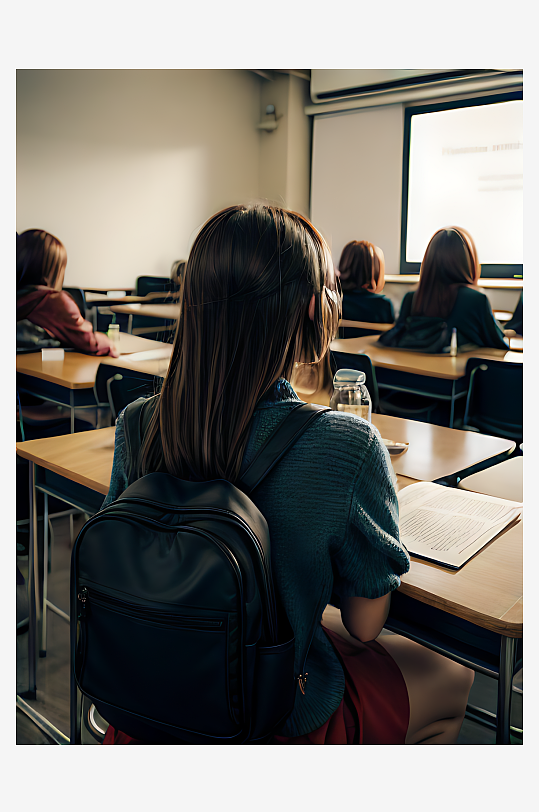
52 700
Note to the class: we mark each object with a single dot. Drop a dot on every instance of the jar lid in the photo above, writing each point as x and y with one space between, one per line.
348 377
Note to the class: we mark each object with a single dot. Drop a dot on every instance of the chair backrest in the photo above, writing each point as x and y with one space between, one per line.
345 360
77 294
494 404
151 284
119 386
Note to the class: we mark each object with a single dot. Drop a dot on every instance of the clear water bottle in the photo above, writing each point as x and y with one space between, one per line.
350 393
113 334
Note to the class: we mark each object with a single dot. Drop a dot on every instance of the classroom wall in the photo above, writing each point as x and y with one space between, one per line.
359 198
285 153
125 165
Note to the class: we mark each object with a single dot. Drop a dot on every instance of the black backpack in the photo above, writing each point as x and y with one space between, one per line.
177 635
421 333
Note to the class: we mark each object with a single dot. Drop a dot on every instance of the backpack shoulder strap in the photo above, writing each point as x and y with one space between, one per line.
136 417
279 442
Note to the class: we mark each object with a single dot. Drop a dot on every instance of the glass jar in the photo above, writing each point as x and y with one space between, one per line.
113 334
350 393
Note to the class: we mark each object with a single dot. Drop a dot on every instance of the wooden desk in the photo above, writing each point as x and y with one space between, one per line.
418 363
70 382
494 284
102 300
157 311
104 290
436 452
502 315
443 375
486 591
504 480
367 325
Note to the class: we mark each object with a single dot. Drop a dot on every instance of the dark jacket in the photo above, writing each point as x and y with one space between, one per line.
516 323
362 305
471 315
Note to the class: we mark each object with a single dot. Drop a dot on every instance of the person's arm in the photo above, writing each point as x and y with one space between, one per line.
118 477
371 557
59 314
364 618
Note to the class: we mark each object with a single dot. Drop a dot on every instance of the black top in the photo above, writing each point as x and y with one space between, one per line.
471 315
516 321
362 305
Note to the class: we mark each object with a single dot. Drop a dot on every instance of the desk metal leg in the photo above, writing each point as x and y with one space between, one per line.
130 323
32 581
43 649
452 415
503 711
72 409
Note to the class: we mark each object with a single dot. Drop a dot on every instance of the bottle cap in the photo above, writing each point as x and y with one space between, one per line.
348 377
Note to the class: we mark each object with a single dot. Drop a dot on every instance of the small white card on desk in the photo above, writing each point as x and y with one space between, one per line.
116 294
54 354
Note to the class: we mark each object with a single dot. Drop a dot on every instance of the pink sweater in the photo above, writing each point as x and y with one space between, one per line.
58 314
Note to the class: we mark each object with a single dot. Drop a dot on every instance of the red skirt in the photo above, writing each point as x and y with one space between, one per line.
374 710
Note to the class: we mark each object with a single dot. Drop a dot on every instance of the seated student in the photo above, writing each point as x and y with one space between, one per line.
361 270
516 321
448 295
44 310
259 294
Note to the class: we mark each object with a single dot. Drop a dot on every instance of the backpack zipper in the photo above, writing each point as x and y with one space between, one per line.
144 612
268 583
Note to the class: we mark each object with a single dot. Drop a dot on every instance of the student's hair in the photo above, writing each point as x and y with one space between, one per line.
359 265
41 259
244 321
450 261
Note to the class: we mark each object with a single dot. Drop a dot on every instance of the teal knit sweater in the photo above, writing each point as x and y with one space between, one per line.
332 512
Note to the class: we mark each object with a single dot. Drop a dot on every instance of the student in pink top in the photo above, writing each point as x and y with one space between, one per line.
41 302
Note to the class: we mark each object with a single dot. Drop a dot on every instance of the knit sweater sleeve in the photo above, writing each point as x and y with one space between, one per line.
371 558
118 477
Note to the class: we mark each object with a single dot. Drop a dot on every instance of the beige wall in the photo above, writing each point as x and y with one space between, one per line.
124 166
285 153
357 179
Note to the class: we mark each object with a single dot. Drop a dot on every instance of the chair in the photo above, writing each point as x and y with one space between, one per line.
142 325
494 403
119 386
344 360
79 298
397 404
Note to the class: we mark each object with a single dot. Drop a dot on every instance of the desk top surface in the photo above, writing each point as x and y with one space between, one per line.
487 590
418 363
501 284
379 327
78 371
160 311
436 451
505 480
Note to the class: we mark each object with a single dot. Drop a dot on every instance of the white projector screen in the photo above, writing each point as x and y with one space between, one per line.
466 169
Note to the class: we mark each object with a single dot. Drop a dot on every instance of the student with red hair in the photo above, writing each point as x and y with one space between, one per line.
361 271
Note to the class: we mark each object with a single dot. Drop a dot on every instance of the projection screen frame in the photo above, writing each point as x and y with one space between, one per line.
488 271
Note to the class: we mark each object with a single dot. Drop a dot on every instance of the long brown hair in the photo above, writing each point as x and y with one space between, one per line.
244 321
450 262
359 266
41 259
